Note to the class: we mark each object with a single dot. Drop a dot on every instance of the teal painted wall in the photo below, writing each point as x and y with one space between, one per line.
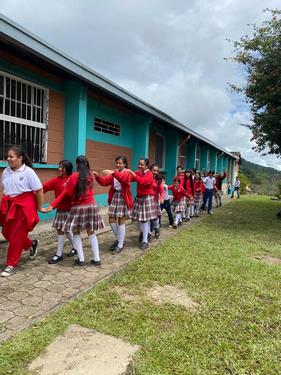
126 122
75 116
190 153
213 154
171 158
203 159
220 163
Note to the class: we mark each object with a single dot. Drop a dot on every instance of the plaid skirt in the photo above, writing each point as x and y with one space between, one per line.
179 205
118 207
144 208
60 219
158 209
80 218
198 197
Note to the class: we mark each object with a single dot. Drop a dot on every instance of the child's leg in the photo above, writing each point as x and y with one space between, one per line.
94 246
144 225
178 218
60 243
169 211
79 247
121 232
114 227
188 210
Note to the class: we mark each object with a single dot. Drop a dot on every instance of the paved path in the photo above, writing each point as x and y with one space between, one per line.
38 287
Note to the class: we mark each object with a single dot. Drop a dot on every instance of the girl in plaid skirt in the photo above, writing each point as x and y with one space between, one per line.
178 203
144 208
120 199
84 213
199 190
57 185
159 194
189 188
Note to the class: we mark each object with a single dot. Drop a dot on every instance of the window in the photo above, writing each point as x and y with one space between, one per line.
182 154
23 117
107 127
197 157
208 164
160 150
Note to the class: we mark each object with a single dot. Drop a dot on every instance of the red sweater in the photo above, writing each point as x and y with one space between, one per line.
178 192
180 178
145 183
158 191
125 179
219 180
199 186
58 184
69 192
188 188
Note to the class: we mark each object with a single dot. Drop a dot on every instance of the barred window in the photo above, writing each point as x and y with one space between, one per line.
23 117
107 127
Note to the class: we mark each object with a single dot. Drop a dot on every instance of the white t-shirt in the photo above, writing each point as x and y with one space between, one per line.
210 182
20 181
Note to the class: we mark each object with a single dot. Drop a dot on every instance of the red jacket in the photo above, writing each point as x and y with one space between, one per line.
199 186
219 180
178 192
188 187
125 179
145 183
9 205
58 184
69 192
180 178
158 191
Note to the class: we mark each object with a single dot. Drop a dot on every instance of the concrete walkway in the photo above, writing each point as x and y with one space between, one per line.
38 287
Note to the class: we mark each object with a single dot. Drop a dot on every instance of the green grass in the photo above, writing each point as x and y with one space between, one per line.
237 328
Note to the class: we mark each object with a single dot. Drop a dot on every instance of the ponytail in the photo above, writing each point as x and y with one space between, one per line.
83 169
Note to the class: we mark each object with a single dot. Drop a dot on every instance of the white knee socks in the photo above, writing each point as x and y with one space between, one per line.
79 247
121 235
60 245
178 218
156 223
95 247
70 237
114 228
188 212
144 227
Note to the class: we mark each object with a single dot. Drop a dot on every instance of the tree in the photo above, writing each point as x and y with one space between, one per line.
260 55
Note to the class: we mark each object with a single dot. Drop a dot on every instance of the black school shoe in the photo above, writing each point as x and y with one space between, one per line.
78 262
33 249
96 263
55 259
144 246
72 253
157 233
140 237
113 246
117 250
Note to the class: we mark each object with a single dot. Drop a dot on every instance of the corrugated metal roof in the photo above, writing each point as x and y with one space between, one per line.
10 30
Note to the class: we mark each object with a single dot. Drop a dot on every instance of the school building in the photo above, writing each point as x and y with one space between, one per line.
58 108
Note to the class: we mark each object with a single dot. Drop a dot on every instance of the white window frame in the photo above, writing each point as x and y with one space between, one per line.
30 123
164 149
197 160
208 163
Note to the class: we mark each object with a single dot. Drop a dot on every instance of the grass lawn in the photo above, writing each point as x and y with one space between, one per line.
237 327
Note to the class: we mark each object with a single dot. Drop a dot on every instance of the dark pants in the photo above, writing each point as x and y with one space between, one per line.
237 190
167 206
208 196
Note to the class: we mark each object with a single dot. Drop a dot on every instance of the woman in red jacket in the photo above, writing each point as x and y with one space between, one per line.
158 193
178 203
120 199
57 185
189 188
199 190
144 208
84 214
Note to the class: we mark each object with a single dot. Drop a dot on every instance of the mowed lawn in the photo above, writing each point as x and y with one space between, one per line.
236 330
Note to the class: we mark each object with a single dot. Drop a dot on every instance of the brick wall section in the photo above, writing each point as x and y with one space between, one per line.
55 127
102 156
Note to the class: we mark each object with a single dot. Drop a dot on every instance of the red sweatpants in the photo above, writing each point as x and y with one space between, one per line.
15 231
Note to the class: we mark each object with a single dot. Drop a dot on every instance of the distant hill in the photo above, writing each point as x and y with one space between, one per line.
262 180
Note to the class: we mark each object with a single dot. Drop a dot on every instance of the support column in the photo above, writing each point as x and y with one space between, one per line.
75 120
171 157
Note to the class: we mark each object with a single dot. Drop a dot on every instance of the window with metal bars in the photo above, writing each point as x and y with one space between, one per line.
107 127
23 117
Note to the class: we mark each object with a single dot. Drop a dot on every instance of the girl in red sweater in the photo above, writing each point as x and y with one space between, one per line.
189 188
178 203
57 185
158 193
120 199
84 214
144 208
199 190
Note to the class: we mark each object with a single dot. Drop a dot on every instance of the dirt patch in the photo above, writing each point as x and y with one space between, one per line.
160 295
83 351
268 259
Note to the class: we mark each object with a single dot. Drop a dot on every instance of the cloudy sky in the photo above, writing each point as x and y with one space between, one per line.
168 52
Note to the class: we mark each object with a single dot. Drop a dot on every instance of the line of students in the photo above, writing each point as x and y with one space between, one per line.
77 210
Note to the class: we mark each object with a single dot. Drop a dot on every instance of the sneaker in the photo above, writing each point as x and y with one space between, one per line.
96 263
78 262
114 245
144 246
210 212
72 253
157 233
117 250
55 259
140 237
9 271
34 249
171 226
